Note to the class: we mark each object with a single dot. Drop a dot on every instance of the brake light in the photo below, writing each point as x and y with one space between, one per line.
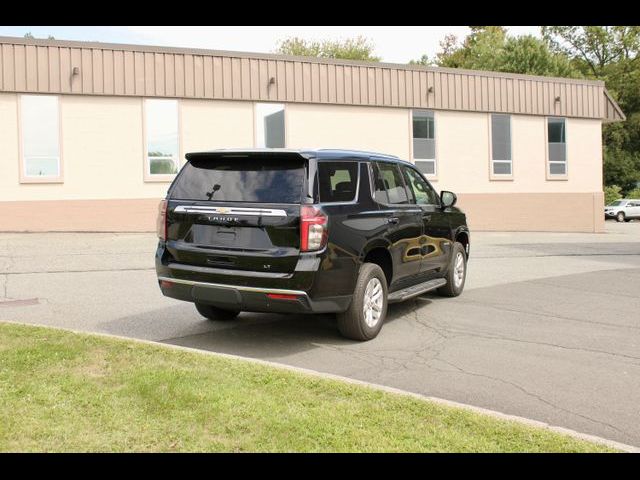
161 222
313 228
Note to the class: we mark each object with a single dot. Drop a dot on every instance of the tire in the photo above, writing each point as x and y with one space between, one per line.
214 313
354 323
620 217
455 284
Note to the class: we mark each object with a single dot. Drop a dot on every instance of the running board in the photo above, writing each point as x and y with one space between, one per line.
414 291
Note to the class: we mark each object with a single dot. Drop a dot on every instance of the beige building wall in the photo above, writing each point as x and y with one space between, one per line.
376 129
102 148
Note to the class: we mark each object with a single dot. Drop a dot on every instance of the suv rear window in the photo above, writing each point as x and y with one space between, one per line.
338 181
258 179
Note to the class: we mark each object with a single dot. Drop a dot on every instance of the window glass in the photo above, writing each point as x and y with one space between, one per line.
501 144
556 136
162 136
40 132
424 141
389 187
270 125
422 192
263 180
338 181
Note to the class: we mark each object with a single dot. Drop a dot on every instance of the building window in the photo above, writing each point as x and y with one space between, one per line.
557 138
161 130
270 125
40 132
501 145
424 141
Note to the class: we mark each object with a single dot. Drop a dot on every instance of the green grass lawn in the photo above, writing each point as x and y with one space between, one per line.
62 391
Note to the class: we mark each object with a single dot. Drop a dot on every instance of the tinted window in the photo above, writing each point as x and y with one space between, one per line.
389 187
338 181
422 192
241 180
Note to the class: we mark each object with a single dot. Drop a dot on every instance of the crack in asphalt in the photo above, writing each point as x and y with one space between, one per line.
543 314
532 395
564 347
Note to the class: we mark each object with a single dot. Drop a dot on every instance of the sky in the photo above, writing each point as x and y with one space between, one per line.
393 44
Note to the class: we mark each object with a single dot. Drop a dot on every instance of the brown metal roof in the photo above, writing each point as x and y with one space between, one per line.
46 66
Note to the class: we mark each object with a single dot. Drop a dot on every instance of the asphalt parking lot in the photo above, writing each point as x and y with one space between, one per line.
548 327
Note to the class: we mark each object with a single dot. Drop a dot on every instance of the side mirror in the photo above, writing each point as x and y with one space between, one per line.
448 199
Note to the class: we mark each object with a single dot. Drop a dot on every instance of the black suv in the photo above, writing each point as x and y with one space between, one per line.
307 231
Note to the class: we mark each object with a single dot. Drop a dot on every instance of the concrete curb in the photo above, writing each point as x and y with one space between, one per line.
313 373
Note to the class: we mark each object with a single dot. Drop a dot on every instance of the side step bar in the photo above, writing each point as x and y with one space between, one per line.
416 290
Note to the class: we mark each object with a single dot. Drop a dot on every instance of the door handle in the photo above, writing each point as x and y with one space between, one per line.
393 220
427 217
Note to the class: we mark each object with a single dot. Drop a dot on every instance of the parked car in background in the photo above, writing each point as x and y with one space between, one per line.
307 231
623 210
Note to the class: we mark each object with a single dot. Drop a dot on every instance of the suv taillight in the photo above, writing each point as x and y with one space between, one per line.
313 228
161 222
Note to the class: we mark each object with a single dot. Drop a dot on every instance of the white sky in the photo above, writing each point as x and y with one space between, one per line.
393 44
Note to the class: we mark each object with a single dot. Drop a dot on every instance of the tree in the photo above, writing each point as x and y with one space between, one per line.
359 48
491 48
611 194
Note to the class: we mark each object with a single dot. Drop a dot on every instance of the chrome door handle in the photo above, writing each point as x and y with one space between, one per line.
393 220
427 217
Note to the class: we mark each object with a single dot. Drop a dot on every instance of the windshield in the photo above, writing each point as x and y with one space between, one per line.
258 180
617 203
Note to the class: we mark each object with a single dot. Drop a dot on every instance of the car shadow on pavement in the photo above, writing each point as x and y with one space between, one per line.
257 335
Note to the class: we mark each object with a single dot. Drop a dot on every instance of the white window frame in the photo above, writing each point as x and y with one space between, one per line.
556 176
430 176
163 177
23 177
500 176
256 130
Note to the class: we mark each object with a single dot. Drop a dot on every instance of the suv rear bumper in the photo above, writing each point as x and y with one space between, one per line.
251 299
308 289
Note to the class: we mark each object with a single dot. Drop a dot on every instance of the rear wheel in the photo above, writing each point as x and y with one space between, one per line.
620 217
456 273
368 310
214 313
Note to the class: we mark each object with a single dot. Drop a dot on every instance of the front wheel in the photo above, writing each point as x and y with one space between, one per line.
620 217
456 273
368 310
214 313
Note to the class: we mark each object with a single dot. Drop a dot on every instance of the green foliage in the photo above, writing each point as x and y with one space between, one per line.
491 48
635 193
359 48
611 194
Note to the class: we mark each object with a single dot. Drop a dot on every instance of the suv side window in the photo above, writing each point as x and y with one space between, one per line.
423 194
338 181
388 184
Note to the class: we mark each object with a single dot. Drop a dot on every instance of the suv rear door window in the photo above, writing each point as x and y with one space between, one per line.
338 181
389 186
259 180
